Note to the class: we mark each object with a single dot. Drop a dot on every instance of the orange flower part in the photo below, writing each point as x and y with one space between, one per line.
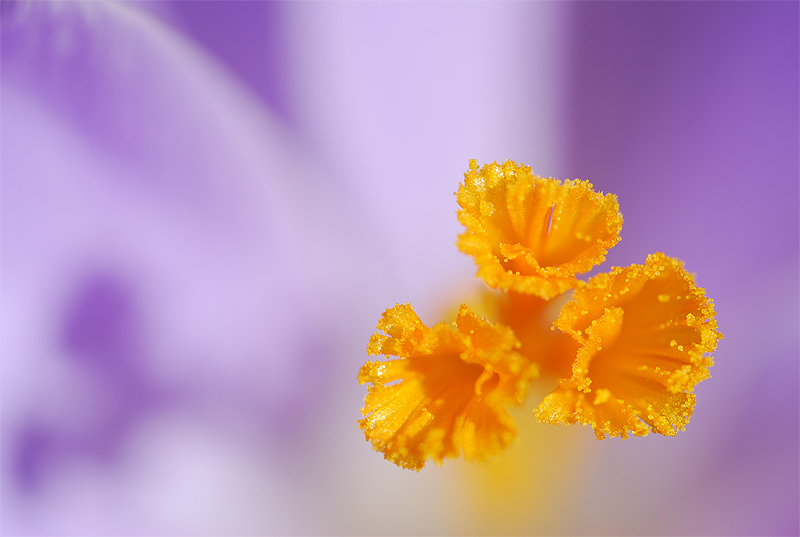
532 234
531 318
446 392
645 333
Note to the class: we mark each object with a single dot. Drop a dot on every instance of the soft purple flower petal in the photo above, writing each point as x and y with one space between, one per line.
167 252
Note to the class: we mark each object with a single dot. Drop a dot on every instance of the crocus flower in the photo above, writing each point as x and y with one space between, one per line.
165 374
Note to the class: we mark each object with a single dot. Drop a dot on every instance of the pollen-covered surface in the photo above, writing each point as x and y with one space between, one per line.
533 234
446 391
645 334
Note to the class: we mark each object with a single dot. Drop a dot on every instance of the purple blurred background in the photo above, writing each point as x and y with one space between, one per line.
206 206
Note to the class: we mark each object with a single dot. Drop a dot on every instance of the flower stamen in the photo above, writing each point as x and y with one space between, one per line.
533 234
645 333
447 391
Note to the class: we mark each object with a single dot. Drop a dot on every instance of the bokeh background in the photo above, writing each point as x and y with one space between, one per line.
206 206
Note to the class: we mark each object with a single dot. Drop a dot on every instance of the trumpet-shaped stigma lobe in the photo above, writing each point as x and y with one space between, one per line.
645 332
533 234
446 391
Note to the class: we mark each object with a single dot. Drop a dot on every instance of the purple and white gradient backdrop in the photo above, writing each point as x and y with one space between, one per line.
206 206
